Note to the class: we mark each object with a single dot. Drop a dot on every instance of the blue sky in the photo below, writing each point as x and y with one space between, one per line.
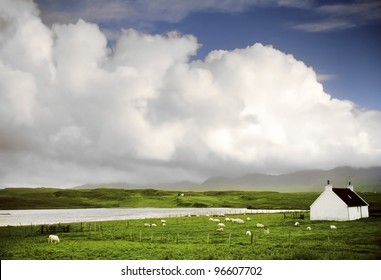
340 40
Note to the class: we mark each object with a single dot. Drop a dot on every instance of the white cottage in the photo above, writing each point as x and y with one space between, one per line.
339 204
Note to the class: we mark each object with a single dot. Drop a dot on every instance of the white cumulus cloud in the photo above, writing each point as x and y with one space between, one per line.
73 110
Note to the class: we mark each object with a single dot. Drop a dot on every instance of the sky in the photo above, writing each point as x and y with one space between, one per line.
99 91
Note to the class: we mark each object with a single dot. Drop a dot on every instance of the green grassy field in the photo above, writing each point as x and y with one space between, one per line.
47 198
196 238
50 198
193 238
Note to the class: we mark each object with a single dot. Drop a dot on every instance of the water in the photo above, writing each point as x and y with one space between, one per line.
54 216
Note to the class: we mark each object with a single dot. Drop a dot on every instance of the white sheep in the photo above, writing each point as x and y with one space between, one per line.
215 220
309 228
227 219
260 225
333 227
163 221
266 231
296 224
220 229
238 221
153 225
53 239
221 225
248 233
248 218
163 224
147 225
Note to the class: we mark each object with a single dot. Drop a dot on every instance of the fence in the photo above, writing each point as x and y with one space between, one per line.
54 228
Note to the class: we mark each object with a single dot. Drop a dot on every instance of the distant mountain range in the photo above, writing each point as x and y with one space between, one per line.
363 179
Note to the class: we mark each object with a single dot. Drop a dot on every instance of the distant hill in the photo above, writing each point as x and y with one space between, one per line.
183 185
363 179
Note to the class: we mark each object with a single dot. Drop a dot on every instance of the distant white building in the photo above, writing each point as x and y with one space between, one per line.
339 204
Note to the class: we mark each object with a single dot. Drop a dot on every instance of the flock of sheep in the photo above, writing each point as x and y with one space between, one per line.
220 226
309 228
266 230
163 223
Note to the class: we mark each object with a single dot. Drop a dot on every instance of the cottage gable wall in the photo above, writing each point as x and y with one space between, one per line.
328 206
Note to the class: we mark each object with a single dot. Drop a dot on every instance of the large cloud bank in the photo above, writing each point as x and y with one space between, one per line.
73 110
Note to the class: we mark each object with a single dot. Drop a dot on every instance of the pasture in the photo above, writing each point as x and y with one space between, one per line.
50 198
196 238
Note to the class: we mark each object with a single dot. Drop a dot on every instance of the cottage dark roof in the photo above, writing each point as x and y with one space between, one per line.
349 197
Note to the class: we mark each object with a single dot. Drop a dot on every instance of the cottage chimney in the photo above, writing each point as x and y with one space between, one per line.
328 187
350 186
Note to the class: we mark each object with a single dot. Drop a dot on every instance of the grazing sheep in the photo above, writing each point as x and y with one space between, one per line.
163 221
248 233
53 239
260 225
248 218
309 228
221 225
238 221
163 224
296 224
220 229
333 227
153 225
215 220
227 219
266 230
147 225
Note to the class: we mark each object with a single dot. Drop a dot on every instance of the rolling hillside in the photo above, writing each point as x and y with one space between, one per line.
364 179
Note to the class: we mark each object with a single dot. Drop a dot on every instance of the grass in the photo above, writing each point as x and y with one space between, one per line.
195 238
50 198
187 238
